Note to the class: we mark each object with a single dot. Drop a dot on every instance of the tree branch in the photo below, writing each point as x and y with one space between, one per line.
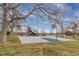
14 7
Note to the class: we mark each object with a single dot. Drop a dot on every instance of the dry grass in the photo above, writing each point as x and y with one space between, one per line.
70 48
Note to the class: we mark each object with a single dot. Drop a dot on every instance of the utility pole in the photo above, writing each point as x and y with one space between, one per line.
55 26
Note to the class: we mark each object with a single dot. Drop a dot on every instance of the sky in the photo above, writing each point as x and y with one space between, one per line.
72 11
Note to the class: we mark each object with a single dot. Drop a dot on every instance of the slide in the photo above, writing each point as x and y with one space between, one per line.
31 32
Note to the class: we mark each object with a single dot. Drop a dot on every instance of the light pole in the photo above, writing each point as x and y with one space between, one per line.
55 27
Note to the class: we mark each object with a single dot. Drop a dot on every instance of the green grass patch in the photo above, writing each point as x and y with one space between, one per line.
13 39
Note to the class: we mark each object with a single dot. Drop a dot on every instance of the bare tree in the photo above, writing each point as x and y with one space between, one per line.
17 16
74 25
5 24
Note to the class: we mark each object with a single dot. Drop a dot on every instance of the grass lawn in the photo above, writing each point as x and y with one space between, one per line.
13 39
39 49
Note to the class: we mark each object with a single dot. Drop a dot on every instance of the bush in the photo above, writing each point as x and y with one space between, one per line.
68 33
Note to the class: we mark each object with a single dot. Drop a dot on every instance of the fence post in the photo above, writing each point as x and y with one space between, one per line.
41 51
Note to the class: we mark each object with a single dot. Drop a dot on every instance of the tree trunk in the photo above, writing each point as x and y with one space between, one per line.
62 29
11 31
5 23
14 23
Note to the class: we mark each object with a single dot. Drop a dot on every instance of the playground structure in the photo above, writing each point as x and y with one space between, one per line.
31 32
26 31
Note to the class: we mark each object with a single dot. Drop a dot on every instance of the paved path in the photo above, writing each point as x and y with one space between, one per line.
31 39
40 39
